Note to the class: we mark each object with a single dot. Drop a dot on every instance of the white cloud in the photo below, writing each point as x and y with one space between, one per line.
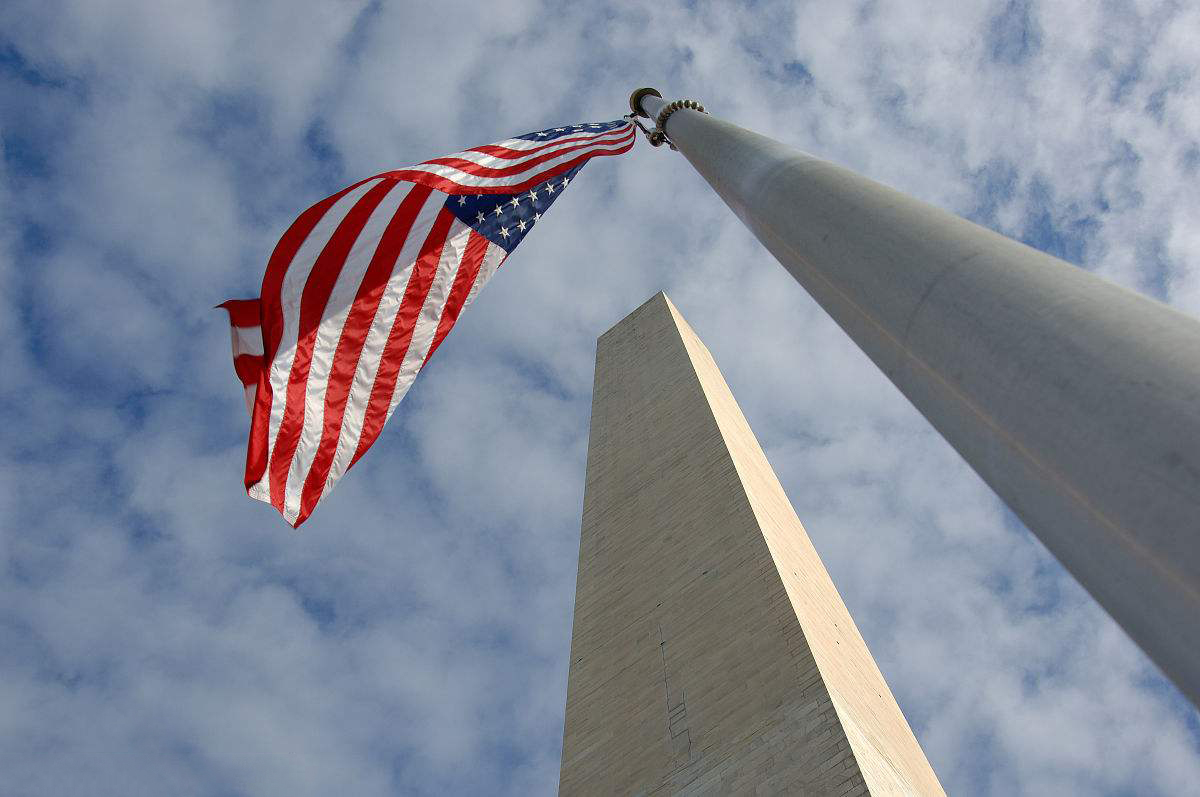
158 629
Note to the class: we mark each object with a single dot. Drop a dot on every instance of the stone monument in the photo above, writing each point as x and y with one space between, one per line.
711 653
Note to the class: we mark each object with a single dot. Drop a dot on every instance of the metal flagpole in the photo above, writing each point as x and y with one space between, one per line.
1076 400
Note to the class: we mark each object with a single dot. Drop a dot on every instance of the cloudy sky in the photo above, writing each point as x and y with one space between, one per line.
160 633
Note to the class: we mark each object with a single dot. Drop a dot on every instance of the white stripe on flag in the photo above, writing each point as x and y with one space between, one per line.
372 352
431 312
525 143
364 378
247 340
381 327
329 332
542 148
491 261
290 293
468 180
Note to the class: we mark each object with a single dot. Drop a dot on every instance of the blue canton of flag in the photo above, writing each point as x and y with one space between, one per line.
504 219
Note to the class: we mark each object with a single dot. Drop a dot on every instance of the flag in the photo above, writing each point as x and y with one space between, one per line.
364 286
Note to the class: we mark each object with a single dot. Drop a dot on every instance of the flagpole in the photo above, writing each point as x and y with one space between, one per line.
1076 400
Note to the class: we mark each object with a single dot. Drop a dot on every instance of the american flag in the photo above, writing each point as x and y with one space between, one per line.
364 286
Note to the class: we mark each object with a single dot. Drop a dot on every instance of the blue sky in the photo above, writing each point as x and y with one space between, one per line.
160 632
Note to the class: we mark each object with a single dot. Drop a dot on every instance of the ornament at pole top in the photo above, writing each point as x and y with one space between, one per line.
658 136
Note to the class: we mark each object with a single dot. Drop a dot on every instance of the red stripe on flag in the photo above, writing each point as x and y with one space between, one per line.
475 169
354 337
243 312
468 270
313 302
448 186
249 367
271 311
401 333
498 151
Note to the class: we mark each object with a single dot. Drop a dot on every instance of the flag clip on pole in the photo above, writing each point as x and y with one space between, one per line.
1075 399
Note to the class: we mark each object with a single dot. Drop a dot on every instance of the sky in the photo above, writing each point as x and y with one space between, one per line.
162 633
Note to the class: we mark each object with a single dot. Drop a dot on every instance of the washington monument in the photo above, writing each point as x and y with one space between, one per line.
711 653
